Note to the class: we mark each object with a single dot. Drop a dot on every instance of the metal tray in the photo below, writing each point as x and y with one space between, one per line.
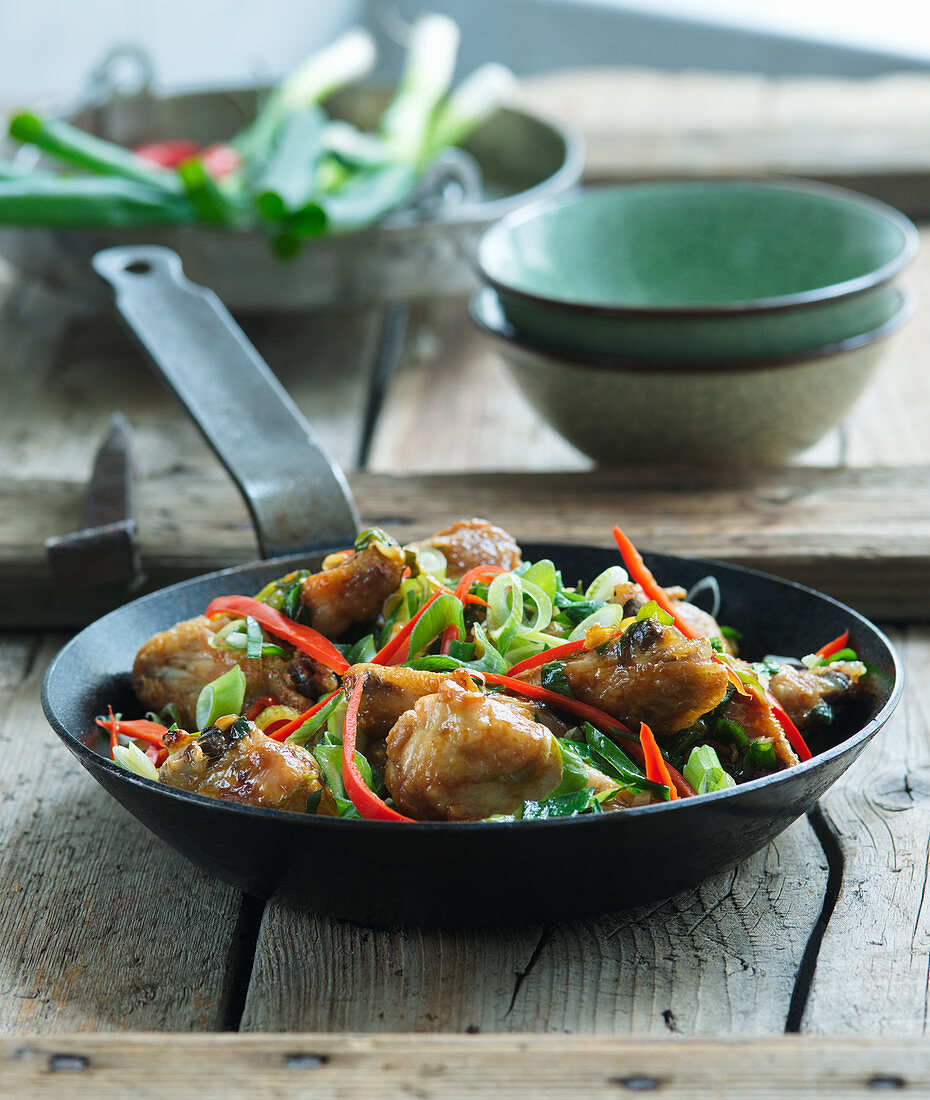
406 257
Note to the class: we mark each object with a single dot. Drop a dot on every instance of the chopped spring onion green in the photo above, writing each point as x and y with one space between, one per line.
574 768
133 759
651 610
315 722
443 612
704 771
552 678
225 695
563 805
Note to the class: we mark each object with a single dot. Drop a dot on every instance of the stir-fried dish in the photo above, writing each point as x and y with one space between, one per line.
449 680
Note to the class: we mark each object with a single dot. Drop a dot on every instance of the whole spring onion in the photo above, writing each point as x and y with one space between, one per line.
88 202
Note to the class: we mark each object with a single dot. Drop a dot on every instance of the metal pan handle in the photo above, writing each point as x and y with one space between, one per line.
298 497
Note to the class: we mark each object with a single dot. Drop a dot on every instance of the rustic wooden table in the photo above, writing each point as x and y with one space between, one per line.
803 971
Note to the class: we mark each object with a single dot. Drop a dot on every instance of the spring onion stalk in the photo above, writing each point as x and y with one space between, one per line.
352 148
479 95
287 182
88 203
704 771
208 199
225 695
316 721
368 196
347 60
133 759
77 147
406 125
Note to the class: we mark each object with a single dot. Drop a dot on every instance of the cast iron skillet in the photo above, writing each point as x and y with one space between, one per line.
428 873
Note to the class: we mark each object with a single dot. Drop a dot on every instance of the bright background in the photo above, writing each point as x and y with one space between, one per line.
48 46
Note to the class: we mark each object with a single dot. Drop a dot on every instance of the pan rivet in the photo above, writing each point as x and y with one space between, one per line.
67 1063
306 1061
638 1084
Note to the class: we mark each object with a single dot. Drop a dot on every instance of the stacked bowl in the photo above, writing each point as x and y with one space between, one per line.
707 321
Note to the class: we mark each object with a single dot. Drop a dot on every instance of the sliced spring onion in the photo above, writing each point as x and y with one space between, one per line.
704 771
133 759
610 616
707 584
574 769
563 805
315 722
651 610
276 713
544 574
225 695
602 587
253 637
443 612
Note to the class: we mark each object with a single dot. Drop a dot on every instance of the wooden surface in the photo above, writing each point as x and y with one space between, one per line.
431 1067
104 929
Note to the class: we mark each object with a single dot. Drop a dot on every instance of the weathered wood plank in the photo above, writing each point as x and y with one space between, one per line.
721 959
433 1067
102 927
639 123
872 970
862 535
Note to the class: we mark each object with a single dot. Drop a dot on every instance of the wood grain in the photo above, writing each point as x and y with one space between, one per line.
872 970
640 123
102 927
432 1067
863 535
721 959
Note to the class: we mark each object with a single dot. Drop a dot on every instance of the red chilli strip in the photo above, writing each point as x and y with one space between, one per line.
141 729
282 733
304 638
835 646
639 571
387 653
259 705
368 804
792 733
169 153
656 767
557 653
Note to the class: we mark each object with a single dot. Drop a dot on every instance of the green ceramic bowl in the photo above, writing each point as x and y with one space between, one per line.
702 270
752 411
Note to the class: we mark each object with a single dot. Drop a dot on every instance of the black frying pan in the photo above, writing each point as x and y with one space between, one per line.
429 873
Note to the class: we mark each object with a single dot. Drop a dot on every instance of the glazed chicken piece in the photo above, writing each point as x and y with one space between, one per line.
173 667
802 690
461 755
473 542
390 690
353 589
236 762
651 673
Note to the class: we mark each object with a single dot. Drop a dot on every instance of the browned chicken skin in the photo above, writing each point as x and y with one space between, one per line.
760 724
238 763
354 589
800 690
461 755
651 673
173 667
473 542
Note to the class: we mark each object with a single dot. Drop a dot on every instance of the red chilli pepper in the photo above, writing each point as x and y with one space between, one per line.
304 638
168 154
656 767
283 732
259 705
220 160
835 646
387 653
141 729
368 804
792 733
640 573
555 654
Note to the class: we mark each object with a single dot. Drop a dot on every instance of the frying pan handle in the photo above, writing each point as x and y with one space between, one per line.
297 495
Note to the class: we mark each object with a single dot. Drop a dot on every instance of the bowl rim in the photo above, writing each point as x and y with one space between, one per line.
776 303
504 333
89 756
